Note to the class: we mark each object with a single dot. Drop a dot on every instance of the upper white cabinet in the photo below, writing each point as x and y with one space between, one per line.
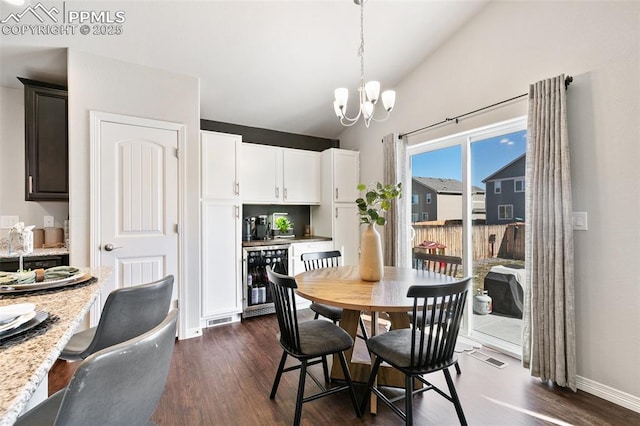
280 175
220 153
301 176
344 174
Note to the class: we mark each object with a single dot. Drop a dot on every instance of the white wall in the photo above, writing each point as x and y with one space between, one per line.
108 85
506 47
12 168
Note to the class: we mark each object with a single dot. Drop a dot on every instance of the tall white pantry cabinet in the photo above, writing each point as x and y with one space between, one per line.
220 210
337 216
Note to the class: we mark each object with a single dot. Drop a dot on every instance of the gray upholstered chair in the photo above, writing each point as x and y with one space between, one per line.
309 342
128 312
423 348
119 385
327 259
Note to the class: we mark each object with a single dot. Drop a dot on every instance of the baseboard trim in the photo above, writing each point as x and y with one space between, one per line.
608 393
191 333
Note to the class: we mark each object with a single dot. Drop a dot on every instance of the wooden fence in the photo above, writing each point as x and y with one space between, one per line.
504 241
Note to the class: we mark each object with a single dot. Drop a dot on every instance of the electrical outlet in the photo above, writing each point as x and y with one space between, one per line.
580 222
48 222
7 222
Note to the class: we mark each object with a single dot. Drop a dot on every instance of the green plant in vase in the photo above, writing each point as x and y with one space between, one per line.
372 206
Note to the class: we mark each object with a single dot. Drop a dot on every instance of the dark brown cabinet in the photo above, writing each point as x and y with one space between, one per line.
46 141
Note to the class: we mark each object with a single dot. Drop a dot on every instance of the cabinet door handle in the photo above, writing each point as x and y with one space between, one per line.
336 212
30 184
285 193
237 212
277 192
237 188
336 193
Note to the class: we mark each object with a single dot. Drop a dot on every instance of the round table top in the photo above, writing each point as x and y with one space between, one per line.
342 287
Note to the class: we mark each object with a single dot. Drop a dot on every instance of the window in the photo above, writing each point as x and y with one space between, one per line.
414 217
415 198
505 212
497 187
518 185
428 197
425 216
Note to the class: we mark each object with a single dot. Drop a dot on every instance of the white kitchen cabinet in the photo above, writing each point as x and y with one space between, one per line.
301 176
221 260
220 153
298 249
344 174
261 173
220 206
278 175
337 216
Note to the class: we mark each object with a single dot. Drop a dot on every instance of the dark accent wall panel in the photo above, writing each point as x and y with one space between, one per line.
271 137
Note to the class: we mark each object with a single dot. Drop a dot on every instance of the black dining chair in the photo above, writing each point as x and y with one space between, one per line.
118 385
128 312
440 263
309 342
428 346
327 259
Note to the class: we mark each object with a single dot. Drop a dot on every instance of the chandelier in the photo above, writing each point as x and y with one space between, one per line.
369 91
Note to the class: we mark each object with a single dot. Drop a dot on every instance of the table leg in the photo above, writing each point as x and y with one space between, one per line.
374 332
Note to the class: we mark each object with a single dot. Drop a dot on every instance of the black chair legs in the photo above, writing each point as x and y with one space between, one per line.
347 378
454 397
458 371
300 397
276 381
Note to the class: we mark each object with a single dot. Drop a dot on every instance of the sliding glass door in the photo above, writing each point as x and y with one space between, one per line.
468 201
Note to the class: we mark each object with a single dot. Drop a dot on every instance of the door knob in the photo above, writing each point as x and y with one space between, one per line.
110 247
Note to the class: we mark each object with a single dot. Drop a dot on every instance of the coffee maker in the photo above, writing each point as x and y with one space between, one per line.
262 227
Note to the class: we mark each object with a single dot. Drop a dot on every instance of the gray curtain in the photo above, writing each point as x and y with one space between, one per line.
549 306
396 231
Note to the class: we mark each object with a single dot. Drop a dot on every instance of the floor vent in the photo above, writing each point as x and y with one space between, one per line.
218 321
488 359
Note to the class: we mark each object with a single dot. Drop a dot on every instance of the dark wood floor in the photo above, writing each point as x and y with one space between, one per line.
225 376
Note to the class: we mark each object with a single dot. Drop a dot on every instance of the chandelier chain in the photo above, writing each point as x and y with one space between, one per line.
361 49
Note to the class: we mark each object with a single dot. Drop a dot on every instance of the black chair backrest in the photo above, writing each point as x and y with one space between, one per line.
322 259
131 311
433 345
440 263
282 290
121 384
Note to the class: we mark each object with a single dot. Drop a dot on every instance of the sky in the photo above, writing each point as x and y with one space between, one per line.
487 157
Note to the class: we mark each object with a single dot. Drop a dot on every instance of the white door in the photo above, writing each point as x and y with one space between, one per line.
137 201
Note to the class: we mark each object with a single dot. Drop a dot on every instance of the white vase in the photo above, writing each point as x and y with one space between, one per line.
371 263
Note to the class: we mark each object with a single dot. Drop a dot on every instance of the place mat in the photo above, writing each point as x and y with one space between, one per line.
25 331
18 293
45 285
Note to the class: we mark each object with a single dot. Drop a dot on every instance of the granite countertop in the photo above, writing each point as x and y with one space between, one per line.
25 360
36 252
280 241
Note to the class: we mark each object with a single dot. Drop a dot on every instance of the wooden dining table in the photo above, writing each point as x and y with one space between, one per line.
343 287
25 360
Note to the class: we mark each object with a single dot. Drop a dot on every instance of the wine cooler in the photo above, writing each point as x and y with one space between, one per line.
256 294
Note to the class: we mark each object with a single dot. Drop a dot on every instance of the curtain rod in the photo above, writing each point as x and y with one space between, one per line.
567 81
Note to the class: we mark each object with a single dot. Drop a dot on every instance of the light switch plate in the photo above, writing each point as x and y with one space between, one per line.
48 222
580 222
7 222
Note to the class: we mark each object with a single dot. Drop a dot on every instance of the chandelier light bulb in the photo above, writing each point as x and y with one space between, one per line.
338 110
389 99
367 110
342 95
372 88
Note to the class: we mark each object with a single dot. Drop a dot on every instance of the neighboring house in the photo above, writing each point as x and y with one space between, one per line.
441 199
506 193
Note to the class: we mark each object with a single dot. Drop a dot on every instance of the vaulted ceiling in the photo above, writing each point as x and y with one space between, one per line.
269 64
